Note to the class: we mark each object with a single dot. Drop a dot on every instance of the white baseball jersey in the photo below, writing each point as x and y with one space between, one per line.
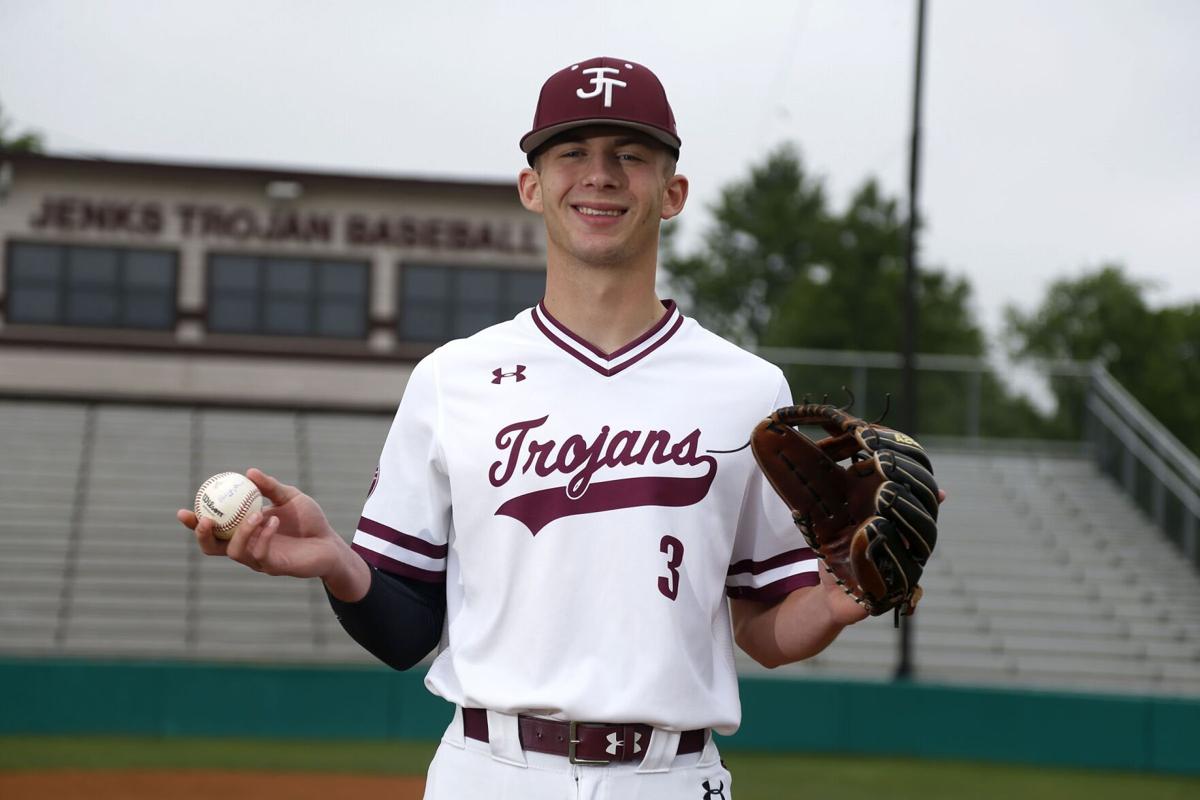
587 534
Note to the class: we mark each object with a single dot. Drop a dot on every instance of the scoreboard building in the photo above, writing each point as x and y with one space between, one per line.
245 286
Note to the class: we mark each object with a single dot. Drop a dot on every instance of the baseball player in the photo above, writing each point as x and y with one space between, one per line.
561 507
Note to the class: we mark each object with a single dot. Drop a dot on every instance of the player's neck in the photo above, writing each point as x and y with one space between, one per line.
606 309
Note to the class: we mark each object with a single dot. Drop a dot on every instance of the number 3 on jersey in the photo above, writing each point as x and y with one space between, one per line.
669 584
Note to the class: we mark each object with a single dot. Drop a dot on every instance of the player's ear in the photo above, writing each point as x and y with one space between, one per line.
674 196
529 186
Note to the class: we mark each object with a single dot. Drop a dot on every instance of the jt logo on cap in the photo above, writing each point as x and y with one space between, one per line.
601 82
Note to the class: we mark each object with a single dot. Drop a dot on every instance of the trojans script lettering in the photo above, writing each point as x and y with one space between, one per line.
580 461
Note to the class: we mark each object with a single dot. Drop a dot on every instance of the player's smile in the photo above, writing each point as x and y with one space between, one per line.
604 231
599 214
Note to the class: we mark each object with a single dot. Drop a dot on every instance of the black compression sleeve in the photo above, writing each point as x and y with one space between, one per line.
398 621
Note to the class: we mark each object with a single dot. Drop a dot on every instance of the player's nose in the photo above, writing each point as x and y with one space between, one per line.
602 172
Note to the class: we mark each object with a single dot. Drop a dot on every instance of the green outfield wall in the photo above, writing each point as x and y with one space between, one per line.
57 697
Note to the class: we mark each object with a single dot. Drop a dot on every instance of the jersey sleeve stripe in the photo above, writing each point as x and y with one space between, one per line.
387 564
765 578
399 553
417 545
776 590
758 567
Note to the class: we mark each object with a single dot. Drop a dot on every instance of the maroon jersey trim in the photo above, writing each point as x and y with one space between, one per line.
556 332
775 591
669 305
387 564
752 567
402 539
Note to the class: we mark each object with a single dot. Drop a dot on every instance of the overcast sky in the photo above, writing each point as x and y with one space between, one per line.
1058 133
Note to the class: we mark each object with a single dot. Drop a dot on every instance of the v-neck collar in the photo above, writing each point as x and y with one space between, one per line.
609 364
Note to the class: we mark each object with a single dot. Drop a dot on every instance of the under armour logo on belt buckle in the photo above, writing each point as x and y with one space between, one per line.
614 743
710 792
498 374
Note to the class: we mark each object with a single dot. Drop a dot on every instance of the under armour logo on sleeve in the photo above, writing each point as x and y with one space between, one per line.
710 792
498 374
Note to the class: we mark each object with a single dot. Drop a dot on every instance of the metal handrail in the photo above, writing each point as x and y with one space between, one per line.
971 368
944 362
1157 465
1157 437
1172 466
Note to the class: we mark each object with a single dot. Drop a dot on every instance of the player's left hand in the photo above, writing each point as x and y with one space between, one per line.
843 609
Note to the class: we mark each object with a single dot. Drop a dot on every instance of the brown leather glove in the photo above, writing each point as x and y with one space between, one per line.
864 498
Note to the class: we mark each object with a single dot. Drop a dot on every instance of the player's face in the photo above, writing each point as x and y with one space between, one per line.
604 193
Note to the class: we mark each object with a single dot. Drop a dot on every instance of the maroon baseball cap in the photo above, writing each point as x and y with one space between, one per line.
602 91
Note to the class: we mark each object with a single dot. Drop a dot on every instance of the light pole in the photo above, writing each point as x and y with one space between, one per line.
911 309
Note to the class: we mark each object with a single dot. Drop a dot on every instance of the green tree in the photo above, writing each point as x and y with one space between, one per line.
779 267
852 301
771 230
1099 315
28 142
1103 314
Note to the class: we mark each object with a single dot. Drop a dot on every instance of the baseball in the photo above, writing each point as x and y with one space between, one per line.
227 498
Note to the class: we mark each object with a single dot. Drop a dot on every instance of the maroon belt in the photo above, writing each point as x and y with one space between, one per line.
582 742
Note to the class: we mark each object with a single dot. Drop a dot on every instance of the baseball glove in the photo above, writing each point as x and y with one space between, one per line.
871 520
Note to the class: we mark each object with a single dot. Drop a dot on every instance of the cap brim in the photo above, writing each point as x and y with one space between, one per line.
535 139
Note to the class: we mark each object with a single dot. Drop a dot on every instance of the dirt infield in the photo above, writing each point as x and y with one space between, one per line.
202 785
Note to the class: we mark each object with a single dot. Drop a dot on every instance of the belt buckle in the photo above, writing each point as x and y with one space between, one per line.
573 742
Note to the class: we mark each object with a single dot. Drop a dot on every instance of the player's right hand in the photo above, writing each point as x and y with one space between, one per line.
290 537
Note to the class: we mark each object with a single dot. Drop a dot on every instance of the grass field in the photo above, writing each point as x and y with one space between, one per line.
756 776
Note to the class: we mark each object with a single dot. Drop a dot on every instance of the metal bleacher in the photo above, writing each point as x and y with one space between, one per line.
1045 575
92 561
